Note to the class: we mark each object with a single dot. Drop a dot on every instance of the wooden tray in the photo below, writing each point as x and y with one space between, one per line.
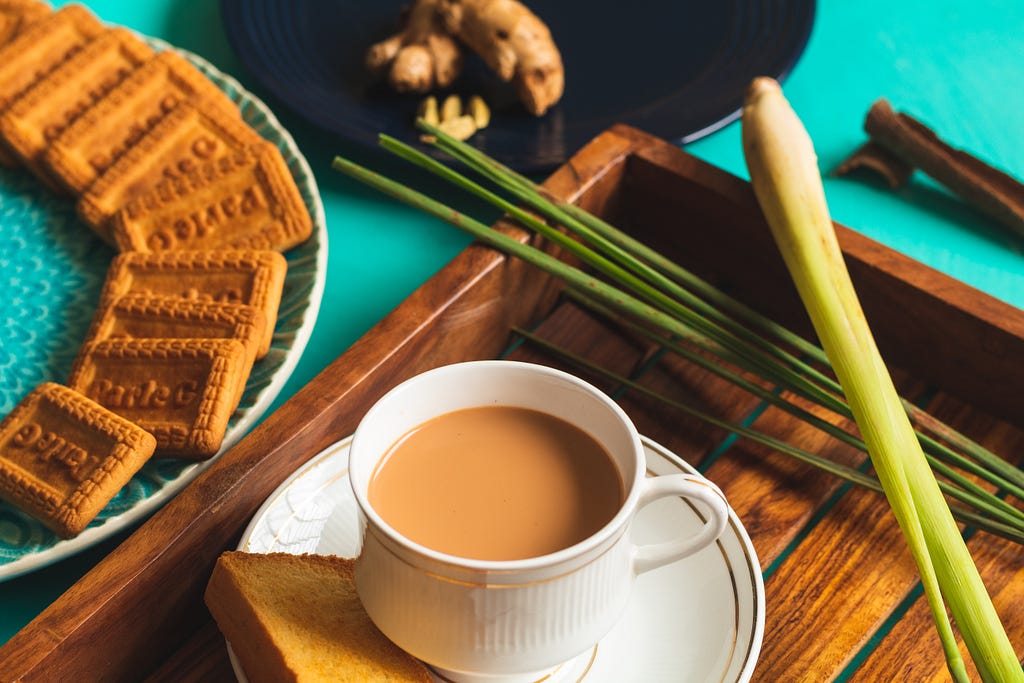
843 597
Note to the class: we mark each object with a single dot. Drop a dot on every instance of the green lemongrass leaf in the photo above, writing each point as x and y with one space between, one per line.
615 298
671 296
959 487
719 300
786 181
643 282
1012 531
985 464
848 473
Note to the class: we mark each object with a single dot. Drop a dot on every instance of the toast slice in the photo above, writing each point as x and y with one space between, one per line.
298 618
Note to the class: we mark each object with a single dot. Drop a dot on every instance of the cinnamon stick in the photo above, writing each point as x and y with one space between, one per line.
873 156
997 194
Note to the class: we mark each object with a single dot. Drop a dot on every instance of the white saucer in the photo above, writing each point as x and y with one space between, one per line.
701 619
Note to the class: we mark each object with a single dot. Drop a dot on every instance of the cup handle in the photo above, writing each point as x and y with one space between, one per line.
650 556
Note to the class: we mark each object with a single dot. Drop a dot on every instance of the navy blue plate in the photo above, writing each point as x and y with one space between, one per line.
674 69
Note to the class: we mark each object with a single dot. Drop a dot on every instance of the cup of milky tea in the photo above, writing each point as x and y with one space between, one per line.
496 499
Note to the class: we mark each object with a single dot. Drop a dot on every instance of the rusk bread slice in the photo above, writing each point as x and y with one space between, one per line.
297 618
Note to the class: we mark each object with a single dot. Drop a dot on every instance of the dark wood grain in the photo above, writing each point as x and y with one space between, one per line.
838 568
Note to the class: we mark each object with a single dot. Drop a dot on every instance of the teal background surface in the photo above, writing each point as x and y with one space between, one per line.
958 66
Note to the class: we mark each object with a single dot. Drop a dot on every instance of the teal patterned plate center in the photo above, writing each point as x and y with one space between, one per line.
52 268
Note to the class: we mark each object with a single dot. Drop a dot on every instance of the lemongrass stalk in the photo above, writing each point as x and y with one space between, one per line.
785 177
985 464
1012 532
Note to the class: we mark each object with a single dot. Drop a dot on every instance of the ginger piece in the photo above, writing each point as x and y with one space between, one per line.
513 42
421 56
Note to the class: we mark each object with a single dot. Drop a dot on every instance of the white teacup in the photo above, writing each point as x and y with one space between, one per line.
476 620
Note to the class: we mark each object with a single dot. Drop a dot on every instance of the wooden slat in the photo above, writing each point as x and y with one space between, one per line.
202 659
682 381
840 583
775 495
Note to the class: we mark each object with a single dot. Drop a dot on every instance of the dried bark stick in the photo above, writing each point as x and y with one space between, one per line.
873 156
993 192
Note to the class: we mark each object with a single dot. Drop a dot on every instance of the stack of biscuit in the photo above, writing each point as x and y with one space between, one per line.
164 168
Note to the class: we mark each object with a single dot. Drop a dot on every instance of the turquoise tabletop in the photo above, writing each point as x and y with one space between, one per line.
958 66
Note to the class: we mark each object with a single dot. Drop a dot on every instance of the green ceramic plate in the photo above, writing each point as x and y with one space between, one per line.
52 268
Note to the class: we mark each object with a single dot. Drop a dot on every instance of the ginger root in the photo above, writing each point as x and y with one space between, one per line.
513 42
421 56
510 38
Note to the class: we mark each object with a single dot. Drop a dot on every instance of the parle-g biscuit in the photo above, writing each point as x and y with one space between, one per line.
251 277
103 134
183 140
244 200
39 48
182 391
16 15
145 316
63 457
51 105
43 46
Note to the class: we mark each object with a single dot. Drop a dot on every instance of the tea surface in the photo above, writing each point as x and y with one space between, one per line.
496 483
